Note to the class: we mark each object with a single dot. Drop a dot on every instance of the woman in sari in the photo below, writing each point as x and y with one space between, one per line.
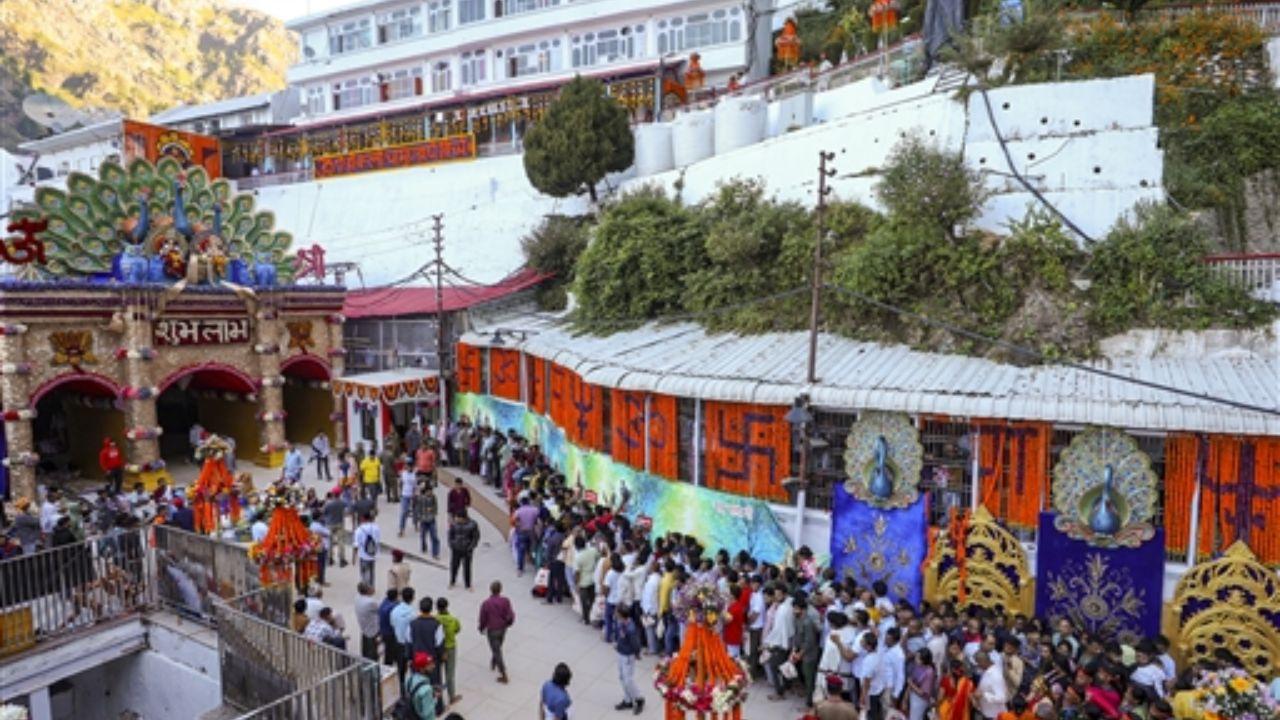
957 689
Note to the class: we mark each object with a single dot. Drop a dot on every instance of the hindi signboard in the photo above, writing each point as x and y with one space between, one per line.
202 331
426 152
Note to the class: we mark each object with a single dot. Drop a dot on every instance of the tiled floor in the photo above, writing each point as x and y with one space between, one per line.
542 636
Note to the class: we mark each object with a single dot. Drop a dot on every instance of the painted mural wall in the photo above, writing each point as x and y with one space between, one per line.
717 519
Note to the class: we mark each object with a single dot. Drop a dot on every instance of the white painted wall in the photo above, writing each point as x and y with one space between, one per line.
1094 158
146 683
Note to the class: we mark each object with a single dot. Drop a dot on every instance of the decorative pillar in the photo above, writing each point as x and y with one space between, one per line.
337 367
271 399
15 391
142 430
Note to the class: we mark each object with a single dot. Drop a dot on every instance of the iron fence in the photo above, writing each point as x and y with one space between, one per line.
63 590
272 672
193 570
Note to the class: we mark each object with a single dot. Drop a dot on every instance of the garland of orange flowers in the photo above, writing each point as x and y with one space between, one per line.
702 655
288 547
959 535
214 480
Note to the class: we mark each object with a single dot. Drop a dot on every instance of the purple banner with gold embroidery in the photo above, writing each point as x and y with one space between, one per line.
870 544
1114 592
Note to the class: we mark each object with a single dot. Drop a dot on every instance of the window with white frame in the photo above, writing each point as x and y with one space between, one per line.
315 100
470 11
403 83
313 44
349 36
472 67
441 76
352 93
438 15
699 30
399 24
608 46
530 59
515 7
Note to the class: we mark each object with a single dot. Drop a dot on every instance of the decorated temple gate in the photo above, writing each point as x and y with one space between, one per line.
157 289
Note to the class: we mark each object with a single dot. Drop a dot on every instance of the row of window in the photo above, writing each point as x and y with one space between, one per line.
589 49
674 34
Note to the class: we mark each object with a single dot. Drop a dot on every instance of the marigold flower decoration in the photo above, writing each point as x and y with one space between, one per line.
1233 694
702 678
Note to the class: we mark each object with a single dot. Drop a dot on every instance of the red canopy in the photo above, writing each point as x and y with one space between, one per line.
420 300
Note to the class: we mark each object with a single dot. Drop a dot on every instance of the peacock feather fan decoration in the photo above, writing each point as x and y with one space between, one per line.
95 220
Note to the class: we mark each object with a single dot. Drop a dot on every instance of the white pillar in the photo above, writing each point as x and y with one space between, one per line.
798 529
1193 541
39 704
647 402
975 492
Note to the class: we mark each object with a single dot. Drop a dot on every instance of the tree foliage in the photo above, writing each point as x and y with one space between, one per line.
584 136
553 248
921 184
634 267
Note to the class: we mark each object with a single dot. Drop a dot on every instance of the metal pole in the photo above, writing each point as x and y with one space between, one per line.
437 228
816 279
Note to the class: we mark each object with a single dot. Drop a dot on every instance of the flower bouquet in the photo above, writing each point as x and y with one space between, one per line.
701 603
1233 694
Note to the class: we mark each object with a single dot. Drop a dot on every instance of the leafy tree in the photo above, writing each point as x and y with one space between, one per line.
635 266
584 136
553 248
1148 272
929 186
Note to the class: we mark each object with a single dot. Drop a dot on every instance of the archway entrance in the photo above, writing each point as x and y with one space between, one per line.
308 402
219 399
73 414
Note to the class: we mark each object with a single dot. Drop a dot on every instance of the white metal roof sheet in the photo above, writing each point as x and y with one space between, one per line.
683 359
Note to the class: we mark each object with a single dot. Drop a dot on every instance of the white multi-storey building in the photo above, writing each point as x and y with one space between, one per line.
387 54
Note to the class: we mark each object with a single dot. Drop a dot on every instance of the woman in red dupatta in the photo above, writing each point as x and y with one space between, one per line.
957 688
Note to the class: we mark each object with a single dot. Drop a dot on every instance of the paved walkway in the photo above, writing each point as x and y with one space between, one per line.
543 634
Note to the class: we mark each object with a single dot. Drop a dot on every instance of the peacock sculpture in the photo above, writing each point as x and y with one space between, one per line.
99 227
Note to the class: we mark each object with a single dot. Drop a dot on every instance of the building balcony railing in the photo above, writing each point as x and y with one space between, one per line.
1258 273
68 589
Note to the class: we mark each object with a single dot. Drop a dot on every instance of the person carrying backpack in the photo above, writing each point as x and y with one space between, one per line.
368 539
418 699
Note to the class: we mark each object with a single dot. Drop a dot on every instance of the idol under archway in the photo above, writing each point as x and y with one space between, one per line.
218 398
75 411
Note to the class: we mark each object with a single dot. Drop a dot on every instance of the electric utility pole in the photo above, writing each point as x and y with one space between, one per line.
824 172
437 228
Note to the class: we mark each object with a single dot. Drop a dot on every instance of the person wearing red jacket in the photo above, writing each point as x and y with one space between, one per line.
733 628
112 464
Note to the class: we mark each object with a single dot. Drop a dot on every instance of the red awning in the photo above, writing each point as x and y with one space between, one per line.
421 300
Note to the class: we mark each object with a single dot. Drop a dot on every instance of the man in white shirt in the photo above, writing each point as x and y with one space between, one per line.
992 692
401 616
778 641
756 610
258 531
1149 671
321 531
649 606
49 512
408 491
874 676
896 661
368 539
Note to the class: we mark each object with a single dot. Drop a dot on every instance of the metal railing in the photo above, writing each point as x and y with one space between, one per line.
270 671
193 570
1258 273
273 603
1265 14
66 589
290 177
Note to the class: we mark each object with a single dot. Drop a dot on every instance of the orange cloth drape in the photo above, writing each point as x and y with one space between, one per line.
1014 462
577 407
1240 496
1180 458
537 376
748 449
626 421
469 364
504 373
664 437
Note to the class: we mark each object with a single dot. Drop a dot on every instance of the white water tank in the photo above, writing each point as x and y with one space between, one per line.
653 149
740 121
693 137
794 112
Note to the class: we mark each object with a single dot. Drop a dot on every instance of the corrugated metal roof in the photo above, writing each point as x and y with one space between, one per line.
684 360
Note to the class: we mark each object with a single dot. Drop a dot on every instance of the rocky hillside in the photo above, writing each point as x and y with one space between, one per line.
135 56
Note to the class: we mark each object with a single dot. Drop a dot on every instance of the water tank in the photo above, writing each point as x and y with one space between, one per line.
693 137
653 149
740 121
795 112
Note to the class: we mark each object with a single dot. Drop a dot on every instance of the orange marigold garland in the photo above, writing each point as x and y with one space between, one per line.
214 482
702 678
288 552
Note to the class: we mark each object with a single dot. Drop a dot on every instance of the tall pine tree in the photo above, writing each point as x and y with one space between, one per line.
583 136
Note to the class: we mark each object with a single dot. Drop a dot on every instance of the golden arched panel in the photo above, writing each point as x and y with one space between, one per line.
1232 603
996 571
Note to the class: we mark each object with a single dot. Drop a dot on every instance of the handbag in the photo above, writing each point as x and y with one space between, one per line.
788 670
597 610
